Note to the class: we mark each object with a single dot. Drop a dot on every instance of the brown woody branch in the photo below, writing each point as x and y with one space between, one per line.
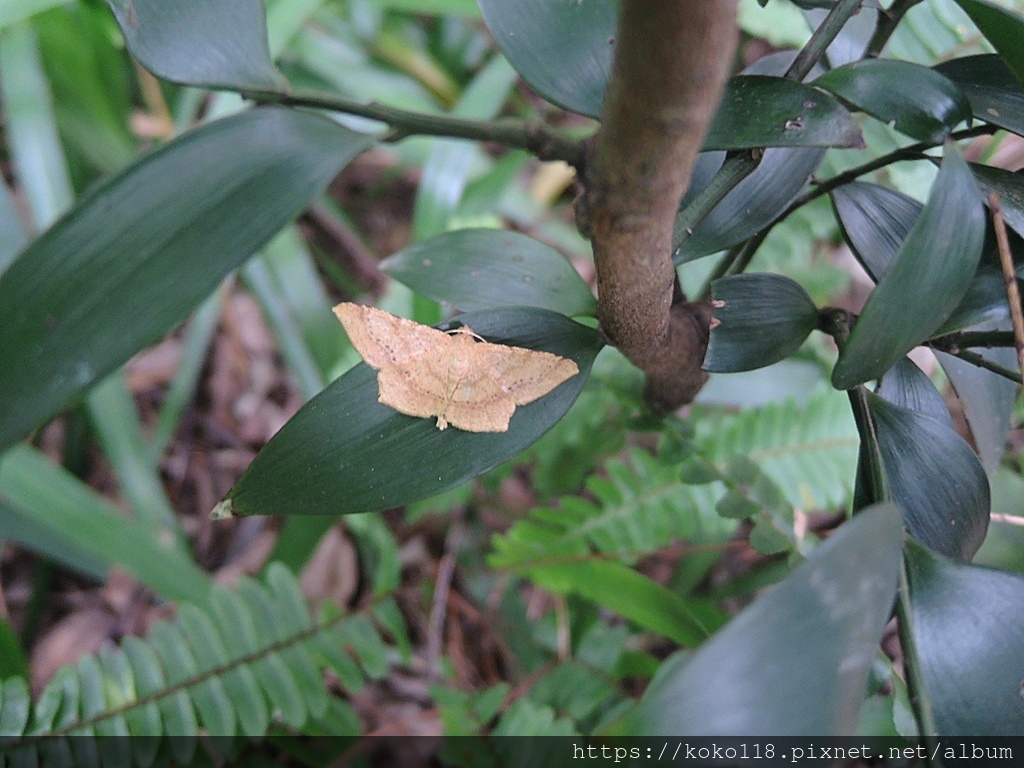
671 61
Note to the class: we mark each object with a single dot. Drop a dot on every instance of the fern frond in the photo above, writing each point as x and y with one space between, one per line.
253 658
809 451
641 506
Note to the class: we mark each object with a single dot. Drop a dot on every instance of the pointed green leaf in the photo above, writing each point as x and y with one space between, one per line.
928 278
1003 28
907 386
995 95
759 319
753 204
475 269
797 660
934 476
763 111
209 43
341 453
916 100
987 399
563 50
64 506
875 222
199 206
1010 188
968 624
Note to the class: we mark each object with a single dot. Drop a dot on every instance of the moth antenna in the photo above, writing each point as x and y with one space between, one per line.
467 331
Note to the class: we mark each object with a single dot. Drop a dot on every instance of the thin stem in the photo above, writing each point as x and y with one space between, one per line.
983 362
910 152
888 20
822 38
743 254
537 138
1009 276
967 339
734 170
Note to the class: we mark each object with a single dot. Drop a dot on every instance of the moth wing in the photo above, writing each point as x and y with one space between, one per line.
399 390
384 339
490 415
526 374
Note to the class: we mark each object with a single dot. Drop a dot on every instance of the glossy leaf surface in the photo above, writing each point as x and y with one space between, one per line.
995 94
1003 28
917 101
208 43
968 624
761 319
344 452
796 661
134 256
563 50
934 476
475 269
875 222
928 278
750 205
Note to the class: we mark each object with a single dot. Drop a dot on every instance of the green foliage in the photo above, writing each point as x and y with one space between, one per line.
251 660
615 487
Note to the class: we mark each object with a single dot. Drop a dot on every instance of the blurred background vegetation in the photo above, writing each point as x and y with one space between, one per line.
104 515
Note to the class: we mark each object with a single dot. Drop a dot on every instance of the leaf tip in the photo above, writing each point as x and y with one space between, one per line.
222 511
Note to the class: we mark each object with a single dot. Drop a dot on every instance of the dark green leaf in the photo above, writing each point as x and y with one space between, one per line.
984 302
563 50
917 101
929 276
995 95
934 476
147 246
344 452
875 222
968 625
762 111
209 43
750 206
907 386
65 507
476 269
1010 188
987 399
1003 28
748 679
759 319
